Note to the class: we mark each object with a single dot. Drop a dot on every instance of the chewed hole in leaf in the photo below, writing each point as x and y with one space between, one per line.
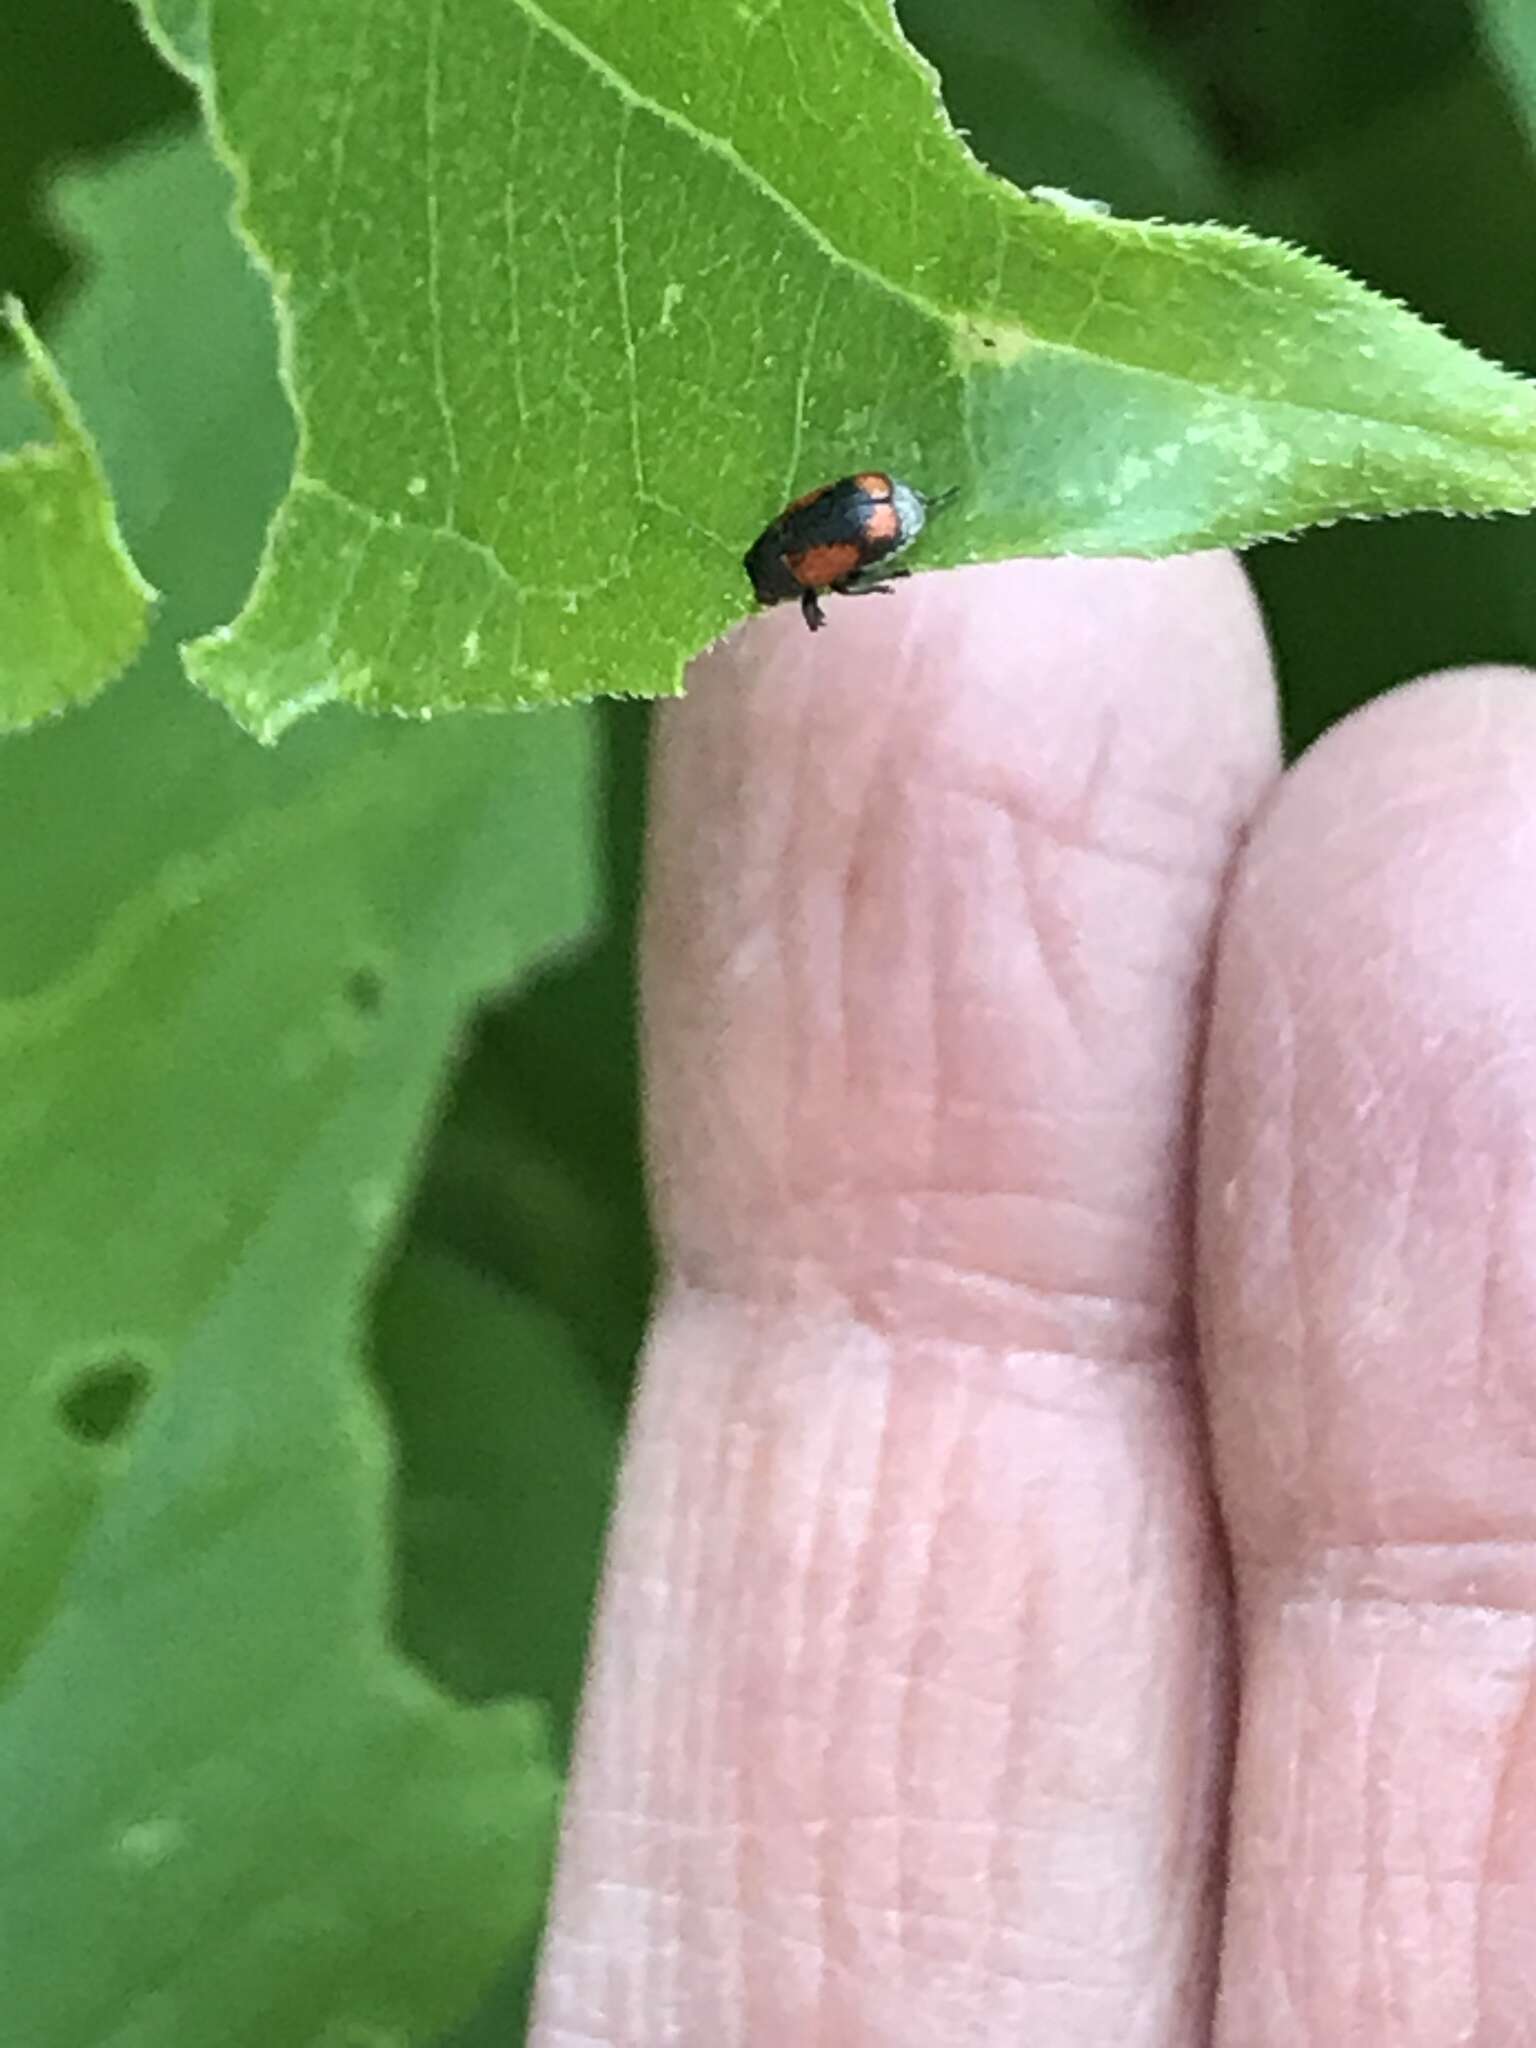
364 991
103 1401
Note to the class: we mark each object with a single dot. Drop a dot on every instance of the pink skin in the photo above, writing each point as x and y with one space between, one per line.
915 1718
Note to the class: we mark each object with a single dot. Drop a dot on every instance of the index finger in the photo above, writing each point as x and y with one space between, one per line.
906 1716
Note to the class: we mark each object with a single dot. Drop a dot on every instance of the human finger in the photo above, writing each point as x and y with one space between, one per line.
905 1721
1368 1258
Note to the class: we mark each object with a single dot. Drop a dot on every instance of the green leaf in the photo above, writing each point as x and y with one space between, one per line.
236 979
276 1832
1509 27
1417 193
574 302
508 1457
536 1173
179 30
73 608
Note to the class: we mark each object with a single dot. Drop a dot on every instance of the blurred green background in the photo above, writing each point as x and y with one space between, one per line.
1379 133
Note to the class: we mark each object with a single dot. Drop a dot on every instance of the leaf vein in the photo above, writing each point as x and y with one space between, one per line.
341 138
509 223
434 257
621 266
807 364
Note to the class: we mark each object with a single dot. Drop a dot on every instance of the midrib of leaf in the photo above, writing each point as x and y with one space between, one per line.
1281 408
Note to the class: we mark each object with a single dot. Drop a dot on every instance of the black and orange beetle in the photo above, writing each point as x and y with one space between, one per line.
837 538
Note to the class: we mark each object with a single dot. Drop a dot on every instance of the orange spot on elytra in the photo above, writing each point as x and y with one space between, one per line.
815 568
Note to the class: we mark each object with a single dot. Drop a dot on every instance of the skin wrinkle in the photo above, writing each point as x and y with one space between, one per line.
752 1874
938 1047
658 1904
803 1225
1425 1574
1482 1337
891 935
1074 838
800 1004
838 1926
1124 1333
1519 1744
1046 852
1050 934
736 1863
824 1853
1108 742
863 898
855 811
1380 1817
909 1779
1299 1294
832 1629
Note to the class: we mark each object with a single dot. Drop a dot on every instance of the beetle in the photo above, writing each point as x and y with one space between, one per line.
837 538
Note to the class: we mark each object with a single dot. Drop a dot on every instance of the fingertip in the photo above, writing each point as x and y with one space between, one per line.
930 897
1369 1145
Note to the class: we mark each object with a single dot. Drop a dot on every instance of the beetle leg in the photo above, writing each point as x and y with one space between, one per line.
869 582
810 607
